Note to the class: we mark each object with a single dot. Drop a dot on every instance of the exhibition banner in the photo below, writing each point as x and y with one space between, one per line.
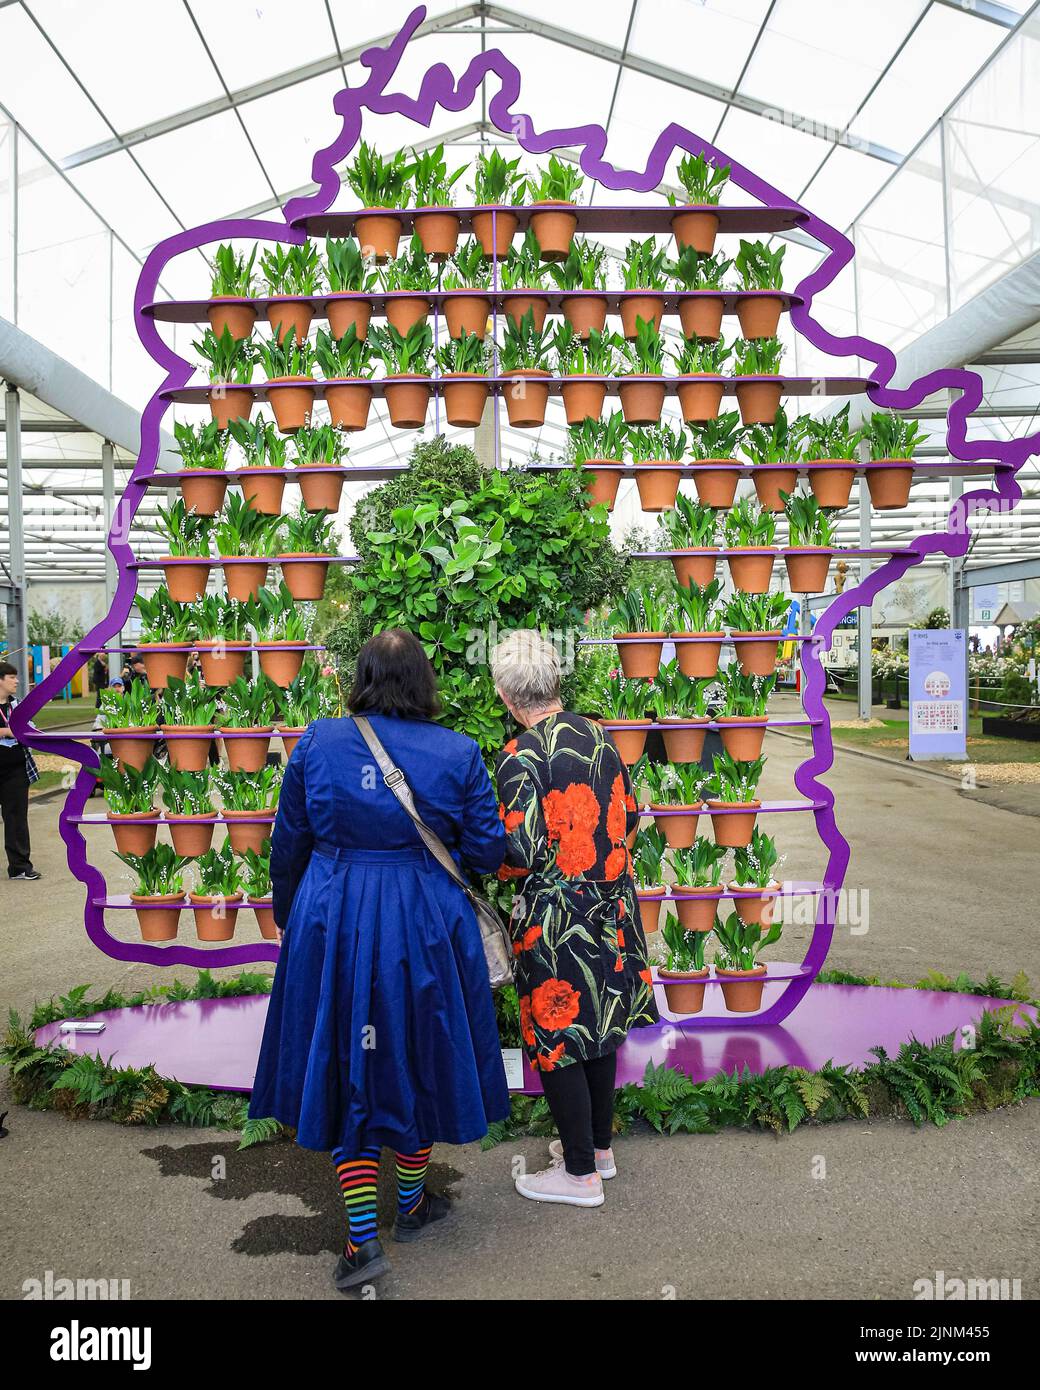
938 693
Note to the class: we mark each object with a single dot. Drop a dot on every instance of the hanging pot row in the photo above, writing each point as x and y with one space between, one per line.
321 488
131 748
192 835
305 574
215 919
698 653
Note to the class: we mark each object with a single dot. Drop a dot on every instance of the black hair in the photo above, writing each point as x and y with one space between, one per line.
6 669
394 676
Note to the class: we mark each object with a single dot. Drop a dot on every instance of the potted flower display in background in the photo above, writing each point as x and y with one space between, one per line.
435 226
750 619
408 281
699 281
231 361
759 383
698 645
190 815
809 543
294 276
645 280
760 270
351 280
742 724
553 193
497 182
232 282
677 699
221 639
256 880
578 360
464 363
713 448
698 365
754 877
733 804
749 533
694 225
624 702
310 696
642 399
684 972
690 529
187 535
346 365
522 276
524 357
698 883
159 895
466 305
289 368
307 542
381 186
648 872
658 450
167 631
765 447
262 476
215 902
736 962
247 722
127 716
640 623
249 801
582 277
597 447
130 803
891 439
189 713
246 541
317 460
673 791
406 359
281 634
203 454
831 441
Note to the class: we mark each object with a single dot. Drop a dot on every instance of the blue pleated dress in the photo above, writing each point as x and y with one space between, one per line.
381 1024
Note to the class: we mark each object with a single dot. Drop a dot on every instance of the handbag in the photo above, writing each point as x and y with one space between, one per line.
498 950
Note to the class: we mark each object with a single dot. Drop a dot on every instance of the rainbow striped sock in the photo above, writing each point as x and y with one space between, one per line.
411 1180
358 1179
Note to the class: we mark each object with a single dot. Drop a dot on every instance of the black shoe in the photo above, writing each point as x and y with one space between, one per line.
368 1262
434 1208
27 874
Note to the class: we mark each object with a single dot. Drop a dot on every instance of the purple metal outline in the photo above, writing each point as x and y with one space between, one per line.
439 89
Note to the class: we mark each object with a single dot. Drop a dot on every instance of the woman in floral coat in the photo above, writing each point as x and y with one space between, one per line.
582 975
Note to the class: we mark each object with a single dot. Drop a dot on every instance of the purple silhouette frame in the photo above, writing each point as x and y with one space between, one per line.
439 90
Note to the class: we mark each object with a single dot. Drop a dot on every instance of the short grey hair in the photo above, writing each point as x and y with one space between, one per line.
526 668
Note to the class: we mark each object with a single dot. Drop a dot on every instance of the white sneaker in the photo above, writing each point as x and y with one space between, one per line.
555 1184
605 1165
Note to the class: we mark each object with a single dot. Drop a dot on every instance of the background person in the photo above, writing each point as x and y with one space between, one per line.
17 771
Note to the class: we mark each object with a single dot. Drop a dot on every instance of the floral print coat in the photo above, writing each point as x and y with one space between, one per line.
582 974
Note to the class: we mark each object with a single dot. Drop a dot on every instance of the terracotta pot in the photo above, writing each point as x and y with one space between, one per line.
582 399
759 908
291 737
306 579
694 566
516 305
378 232
658 484
289 317
770 482
630 740
756 658
679 831
696 227
650 903
246 754
700 397
188 754
466 313
495 231
246 832
700 314
889 487
742 989
641 658
465 395
158 923
585 312
648 307
230 402
185 583
264 913
735 830
602 483
407 400
203 492
698 659
348 309
132 833
439 233
759 400
282 663
160 664
751 568
349 401
684 745
191 835
131 752
697 914
238 316
292 400
215 917
807 569
716 487
222 661
682 992
554 229
527 399
321 490
243 581
642 401
262 488
742 740
405 312
759 315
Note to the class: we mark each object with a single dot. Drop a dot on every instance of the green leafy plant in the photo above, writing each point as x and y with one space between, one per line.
523 267
701 356
219 872
411 270
188 702
557 183
201 446
673 784
717 439
621 698
310 696
128 791
430 178
681 696
525 348
648 857
249 791
598 439
379 182
240 530
684 950
468 269
760 357
274 616
186 532
308 533
231 360
808 524
595 355
831 437
342 359
407 354
186 793
739 942
217 617
468 353
583 269
780 442
746 697
163 620
755 864
758 267
755 612
133 707
248 704
295 271
346 269
699 866
644 265
696 606
318 444
256 873
748 525
284 361
690 271
690 525
641 610
233 273
702 180
496 180
260 442
892 437
655 442
159 871
645 352
735 781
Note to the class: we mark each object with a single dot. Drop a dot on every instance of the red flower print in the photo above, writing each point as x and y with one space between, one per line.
618 966
622 910
526 1028
616 811
507 872
512 819
571 816
620 939
501 810
616 863
530 936
555 1005
547 1060
509 747
646 977
630 802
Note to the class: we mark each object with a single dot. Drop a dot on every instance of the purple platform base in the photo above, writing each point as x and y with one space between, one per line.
215 1042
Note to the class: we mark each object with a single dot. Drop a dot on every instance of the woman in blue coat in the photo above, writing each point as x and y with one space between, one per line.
381 1026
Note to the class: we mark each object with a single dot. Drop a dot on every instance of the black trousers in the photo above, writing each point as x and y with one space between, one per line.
581 1098
14 807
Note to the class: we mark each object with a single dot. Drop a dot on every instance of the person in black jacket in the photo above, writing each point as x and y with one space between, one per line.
17 771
